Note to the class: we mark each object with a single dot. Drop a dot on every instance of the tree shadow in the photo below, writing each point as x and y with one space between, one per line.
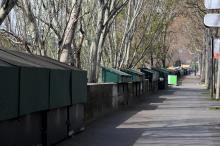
104 132
114 129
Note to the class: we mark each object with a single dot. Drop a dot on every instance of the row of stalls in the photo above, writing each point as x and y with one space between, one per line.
157 77
41 101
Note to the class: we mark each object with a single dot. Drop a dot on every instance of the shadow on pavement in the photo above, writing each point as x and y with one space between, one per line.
104 131
125 128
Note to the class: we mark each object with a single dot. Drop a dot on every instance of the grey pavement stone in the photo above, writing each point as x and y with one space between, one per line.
179 116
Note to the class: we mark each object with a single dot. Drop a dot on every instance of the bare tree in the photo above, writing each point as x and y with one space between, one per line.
5 8
106 13
65 47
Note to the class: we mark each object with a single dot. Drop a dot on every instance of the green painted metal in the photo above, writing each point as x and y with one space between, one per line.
35 83
172 79
162 72
136 76
34 90
9 92
150 74
111 77
163 80
116 76
165 70
60 79
79 86
60 91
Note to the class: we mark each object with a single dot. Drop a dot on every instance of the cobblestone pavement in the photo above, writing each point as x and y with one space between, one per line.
180 116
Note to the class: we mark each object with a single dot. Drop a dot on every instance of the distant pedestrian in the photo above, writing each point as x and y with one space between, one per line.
194 69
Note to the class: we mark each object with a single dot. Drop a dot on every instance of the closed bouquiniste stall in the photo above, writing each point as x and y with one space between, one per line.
66 87
58 81
152 76
14 128
42 100
33 84
163 80
78 93
137 79
115 76
78 81
135 75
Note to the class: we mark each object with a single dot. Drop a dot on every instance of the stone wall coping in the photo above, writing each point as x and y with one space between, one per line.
96 84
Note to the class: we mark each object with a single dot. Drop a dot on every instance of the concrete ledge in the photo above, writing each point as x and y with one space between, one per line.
107 97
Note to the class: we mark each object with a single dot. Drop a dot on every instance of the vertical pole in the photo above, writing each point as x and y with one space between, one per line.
212 68
214 75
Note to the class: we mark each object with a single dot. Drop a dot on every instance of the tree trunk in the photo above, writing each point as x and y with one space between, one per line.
37 41
208 62
6 7
200 64
95 44
134 9
66 54
78 60
78 52
95 50
164 62
151 59
203 65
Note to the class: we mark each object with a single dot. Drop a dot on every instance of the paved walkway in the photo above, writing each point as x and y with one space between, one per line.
177 117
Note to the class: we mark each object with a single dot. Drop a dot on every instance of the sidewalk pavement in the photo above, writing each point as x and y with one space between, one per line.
180 116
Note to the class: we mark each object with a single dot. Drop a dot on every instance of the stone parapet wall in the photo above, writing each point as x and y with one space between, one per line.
107 97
